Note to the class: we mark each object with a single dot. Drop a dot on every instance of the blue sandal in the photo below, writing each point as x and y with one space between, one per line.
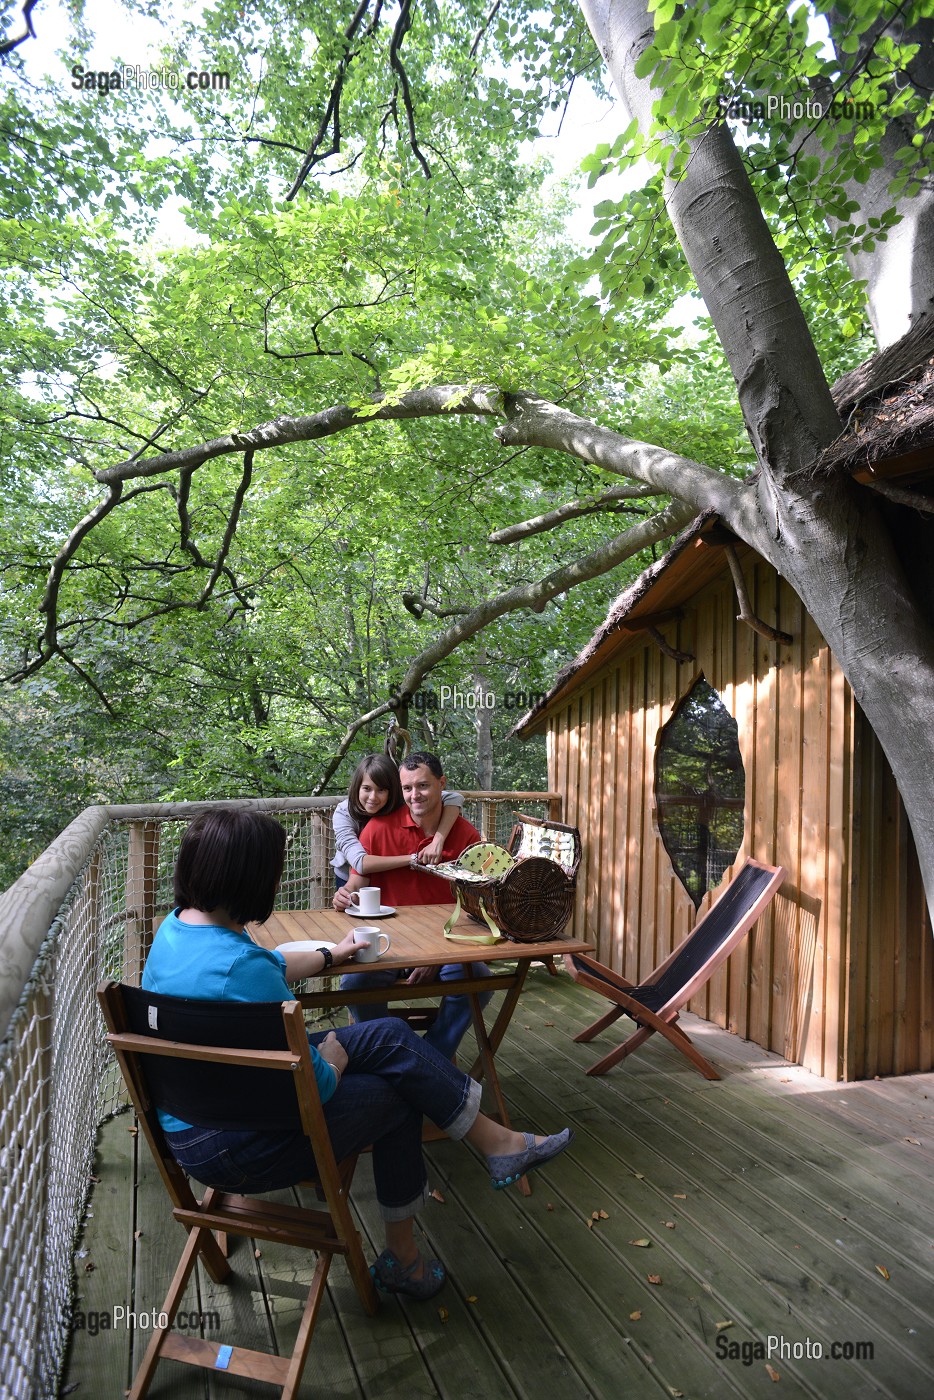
508 1167
390 1277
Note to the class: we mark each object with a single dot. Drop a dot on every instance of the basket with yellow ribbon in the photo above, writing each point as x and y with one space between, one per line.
524 891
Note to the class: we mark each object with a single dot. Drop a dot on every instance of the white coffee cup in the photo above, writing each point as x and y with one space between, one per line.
367 900
367 944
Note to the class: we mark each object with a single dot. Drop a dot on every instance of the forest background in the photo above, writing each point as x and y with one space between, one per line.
355 216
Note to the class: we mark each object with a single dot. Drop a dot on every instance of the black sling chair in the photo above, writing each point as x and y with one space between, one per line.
655 1004
233 1065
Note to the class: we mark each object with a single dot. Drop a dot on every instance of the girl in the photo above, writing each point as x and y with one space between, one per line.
377 1080
375 790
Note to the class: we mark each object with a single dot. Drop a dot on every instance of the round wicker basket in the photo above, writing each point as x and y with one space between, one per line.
531 902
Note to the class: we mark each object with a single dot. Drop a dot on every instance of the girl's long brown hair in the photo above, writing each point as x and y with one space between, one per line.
382 772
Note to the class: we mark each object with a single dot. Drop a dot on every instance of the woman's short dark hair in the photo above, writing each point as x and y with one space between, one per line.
231 859
383 773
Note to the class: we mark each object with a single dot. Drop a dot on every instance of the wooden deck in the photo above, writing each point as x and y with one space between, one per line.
776 1205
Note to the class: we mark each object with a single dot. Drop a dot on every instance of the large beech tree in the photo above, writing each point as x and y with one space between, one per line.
816 216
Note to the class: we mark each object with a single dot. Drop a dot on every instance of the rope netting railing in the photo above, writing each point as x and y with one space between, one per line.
86 911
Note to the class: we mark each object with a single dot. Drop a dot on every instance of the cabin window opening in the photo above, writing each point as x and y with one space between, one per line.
700 790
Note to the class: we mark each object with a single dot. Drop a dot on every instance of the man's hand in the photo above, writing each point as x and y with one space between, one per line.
421 974
432 853
341 899
331 1050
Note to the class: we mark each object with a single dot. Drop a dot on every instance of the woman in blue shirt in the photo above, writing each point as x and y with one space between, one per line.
377 1079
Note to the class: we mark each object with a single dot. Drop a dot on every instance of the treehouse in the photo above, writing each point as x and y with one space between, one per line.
685 738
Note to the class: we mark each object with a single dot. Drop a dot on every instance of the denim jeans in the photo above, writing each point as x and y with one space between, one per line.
392 1080
454 1017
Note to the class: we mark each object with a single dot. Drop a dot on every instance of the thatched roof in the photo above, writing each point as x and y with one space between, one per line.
887 405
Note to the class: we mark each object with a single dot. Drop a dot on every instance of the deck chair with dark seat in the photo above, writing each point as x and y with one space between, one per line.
655 1004
238 1066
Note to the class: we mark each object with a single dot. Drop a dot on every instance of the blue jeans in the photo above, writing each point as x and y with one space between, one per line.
392 1080
454 1017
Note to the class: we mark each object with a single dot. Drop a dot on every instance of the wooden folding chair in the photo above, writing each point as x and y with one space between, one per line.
655 1004
220 1065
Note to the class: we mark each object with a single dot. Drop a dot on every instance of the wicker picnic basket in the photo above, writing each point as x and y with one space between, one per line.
524 891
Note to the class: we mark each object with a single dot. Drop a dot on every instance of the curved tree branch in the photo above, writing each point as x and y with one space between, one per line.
586 505
418 403
332 112
746 612
534 596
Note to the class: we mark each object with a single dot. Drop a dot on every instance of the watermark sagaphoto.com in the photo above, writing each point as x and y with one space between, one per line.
122 1318
452 697
776 1349
134 77
739 107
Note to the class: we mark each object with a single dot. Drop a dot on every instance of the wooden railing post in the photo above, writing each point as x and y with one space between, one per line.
142 873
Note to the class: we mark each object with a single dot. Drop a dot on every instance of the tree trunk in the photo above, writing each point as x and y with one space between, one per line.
483 719
789 413
899 271
823 534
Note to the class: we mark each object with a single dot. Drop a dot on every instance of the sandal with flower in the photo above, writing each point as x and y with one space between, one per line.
390 1276
508 1167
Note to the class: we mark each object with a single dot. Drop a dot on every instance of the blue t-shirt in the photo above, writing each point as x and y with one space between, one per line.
211 963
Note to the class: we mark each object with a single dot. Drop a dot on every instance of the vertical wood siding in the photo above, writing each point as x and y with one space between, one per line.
839 974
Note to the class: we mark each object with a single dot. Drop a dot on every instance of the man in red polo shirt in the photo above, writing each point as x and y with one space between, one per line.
406 832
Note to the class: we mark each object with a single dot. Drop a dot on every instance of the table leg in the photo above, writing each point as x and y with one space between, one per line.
488 1042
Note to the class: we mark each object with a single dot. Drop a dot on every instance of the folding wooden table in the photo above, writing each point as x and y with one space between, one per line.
418 941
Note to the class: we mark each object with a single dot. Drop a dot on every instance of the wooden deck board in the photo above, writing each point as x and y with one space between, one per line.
786 1194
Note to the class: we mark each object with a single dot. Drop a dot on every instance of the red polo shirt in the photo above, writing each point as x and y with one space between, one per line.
399 834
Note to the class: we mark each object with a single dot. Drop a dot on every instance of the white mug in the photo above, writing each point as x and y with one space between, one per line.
367 900
367 944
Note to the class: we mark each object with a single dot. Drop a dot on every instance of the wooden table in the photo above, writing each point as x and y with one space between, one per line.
418 941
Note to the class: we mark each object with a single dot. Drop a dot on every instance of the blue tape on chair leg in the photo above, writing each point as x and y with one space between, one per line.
223 1358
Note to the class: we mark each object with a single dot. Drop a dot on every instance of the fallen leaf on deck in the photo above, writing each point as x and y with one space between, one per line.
916 1142
437 1196
548 1205
132 1131
94 1180
883 1271
675 1393
137 1234
640 1176
548 1023
721 1325
589 1222
636 1316
257 1254
641 1244
472 1298
669 1224
773 1374
680 1196
89 1267
654 1278
443 1314
602 1215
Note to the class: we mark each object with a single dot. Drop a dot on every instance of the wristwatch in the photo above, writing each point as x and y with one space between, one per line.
328 960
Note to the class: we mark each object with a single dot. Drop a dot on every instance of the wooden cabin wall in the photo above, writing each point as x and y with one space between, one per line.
890 1028
796 985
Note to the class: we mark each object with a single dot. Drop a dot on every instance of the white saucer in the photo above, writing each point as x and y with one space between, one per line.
384 912
304 945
